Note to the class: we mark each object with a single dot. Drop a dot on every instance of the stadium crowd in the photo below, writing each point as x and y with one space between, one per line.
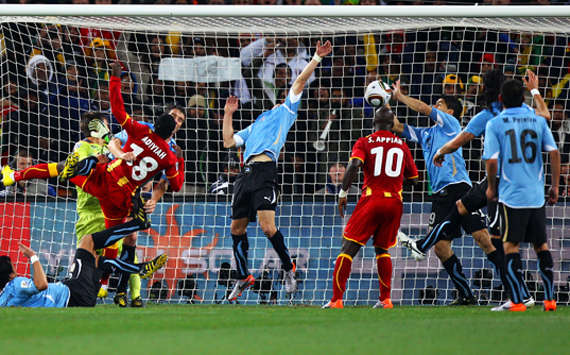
52 74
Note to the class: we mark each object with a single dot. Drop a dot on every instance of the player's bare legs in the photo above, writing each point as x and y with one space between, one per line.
342 267
384 266
267 223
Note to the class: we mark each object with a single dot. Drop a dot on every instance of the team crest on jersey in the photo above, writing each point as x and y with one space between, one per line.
25 284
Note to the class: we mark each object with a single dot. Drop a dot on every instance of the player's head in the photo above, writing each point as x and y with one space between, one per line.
23 159
177 112
88 117
6 271
282 73
492 82
164 125
450 105
383 119
512 93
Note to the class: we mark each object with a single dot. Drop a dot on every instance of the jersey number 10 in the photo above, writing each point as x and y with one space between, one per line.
392 154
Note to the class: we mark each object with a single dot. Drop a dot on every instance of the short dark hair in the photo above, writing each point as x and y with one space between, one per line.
452 102
88 117
512 93
5 270
171 107
164 125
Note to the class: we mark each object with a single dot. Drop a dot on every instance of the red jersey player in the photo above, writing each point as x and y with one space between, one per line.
386 160
115 182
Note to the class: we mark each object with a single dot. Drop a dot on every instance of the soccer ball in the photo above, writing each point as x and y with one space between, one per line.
377 93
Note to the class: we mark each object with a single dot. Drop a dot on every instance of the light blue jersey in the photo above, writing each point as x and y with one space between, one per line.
269 131
123 136
477 124
432 138
516 138
21 292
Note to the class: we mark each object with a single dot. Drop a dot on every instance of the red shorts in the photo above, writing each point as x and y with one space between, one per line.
115 201
377 217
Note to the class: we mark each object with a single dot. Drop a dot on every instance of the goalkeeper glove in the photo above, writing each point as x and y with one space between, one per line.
98 130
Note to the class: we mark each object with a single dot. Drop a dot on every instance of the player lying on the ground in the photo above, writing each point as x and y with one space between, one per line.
449 183
81 287
255 189
514 141
475 198
386 161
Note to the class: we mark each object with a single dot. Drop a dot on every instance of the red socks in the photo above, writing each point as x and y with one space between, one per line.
39 171
341 273
384 263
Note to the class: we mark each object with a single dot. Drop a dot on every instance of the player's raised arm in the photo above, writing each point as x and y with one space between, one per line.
40 279
228 126
414 104
532 86
320 52
117 103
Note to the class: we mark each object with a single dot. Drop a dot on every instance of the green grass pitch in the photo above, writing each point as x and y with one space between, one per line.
194 329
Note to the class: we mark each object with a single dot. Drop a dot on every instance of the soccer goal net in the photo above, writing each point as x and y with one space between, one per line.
55 66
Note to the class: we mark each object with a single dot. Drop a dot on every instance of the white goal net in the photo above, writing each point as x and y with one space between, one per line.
55 68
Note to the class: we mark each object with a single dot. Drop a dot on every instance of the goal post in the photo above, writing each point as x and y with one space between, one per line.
54 66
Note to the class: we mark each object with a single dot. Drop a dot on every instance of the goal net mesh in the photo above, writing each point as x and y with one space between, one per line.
54 69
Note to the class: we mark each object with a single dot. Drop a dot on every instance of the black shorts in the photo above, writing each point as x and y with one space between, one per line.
442 204
255 189
476 199
83 280
523 224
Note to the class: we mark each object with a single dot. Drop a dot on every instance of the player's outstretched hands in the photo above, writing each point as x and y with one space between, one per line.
341 206
553 195
116 69
231 105
28 253
532 81
323 50
396 92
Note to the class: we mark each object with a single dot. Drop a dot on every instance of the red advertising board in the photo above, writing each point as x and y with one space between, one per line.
15 228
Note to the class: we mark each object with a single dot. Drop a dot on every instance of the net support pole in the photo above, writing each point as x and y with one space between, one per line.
283 11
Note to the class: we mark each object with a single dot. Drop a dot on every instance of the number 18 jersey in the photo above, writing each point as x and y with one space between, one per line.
386 161
152 153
